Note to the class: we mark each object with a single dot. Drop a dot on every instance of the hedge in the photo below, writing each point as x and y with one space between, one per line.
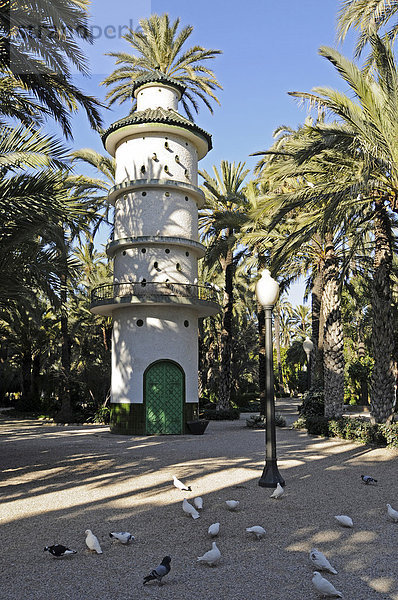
357 429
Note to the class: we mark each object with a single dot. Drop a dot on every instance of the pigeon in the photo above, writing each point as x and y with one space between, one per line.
181 486
344 521
214 529
393 514
160 571
278 491
368 479
320 561
198 502
258 531
324 587
58 550
189 509
232 504
92 542
212 556
123 536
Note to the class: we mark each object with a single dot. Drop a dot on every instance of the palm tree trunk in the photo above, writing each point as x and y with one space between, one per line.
65 413
333 343
382 390
317 380
224 392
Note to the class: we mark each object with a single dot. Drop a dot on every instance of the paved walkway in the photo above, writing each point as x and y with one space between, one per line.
56 482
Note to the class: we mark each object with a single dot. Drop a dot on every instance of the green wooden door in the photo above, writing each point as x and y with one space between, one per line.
164 398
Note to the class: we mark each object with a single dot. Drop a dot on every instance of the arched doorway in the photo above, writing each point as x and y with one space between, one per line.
164 398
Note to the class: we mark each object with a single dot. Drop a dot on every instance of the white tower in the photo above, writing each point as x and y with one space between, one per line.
155 301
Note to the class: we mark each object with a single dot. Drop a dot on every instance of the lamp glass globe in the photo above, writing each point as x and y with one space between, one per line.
267 289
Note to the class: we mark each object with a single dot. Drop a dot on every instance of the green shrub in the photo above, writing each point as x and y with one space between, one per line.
390 433
231 414
317 425
102 415
258 421
313 404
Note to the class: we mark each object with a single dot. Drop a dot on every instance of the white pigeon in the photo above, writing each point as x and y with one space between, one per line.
393 514
278 491
198 502
189 509
344 521
122 536
232 504
258 531
211 557
181 486
319 560
214 529
324 587
92 542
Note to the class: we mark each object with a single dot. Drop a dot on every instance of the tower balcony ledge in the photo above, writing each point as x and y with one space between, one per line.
133 185
106 298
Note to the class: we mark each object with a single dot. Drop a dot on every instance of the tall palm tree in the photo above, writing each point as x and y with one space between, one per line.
219 223
364 152
160 46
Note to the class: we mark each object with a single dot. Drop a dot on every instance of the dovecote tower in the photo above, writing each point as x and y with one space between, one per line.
155 300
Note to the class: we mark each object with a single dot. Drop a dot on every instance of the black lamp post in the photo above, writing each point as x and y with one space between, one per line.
267 292
308 348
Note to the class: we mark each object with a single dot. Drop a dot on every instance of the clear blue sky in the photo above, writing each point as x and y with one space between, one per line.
269 48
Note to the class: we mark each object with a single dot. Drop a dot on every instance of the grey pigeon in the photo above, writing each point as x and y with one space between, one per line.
324 587
368 479
122 536
344 520
58 550
160 571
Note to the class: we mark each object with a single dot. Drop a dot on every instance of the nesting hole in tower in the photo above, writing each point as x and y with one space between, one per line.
167 194
186 198
143 250
143 194
178 267
143 169
167 250
140 322
186 323
186 253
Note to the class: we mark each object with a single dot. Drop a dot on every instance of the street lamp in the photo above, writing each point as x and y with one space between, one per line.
267 292
308 348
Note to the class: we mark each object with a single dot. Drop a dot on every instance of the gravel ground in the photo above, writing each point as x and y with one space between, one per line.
59 481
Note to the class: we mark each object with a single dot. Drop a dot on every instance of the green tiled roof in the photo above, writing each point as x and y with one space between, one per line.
159 77
157 115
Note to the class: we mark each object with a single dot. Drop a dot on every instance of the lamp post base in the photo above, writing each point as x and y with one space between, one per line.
271 476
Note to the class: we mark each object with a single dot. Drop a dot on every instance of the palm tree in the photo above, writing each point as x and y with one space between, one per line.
219 222
37 45
363 152
160 47
368 16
